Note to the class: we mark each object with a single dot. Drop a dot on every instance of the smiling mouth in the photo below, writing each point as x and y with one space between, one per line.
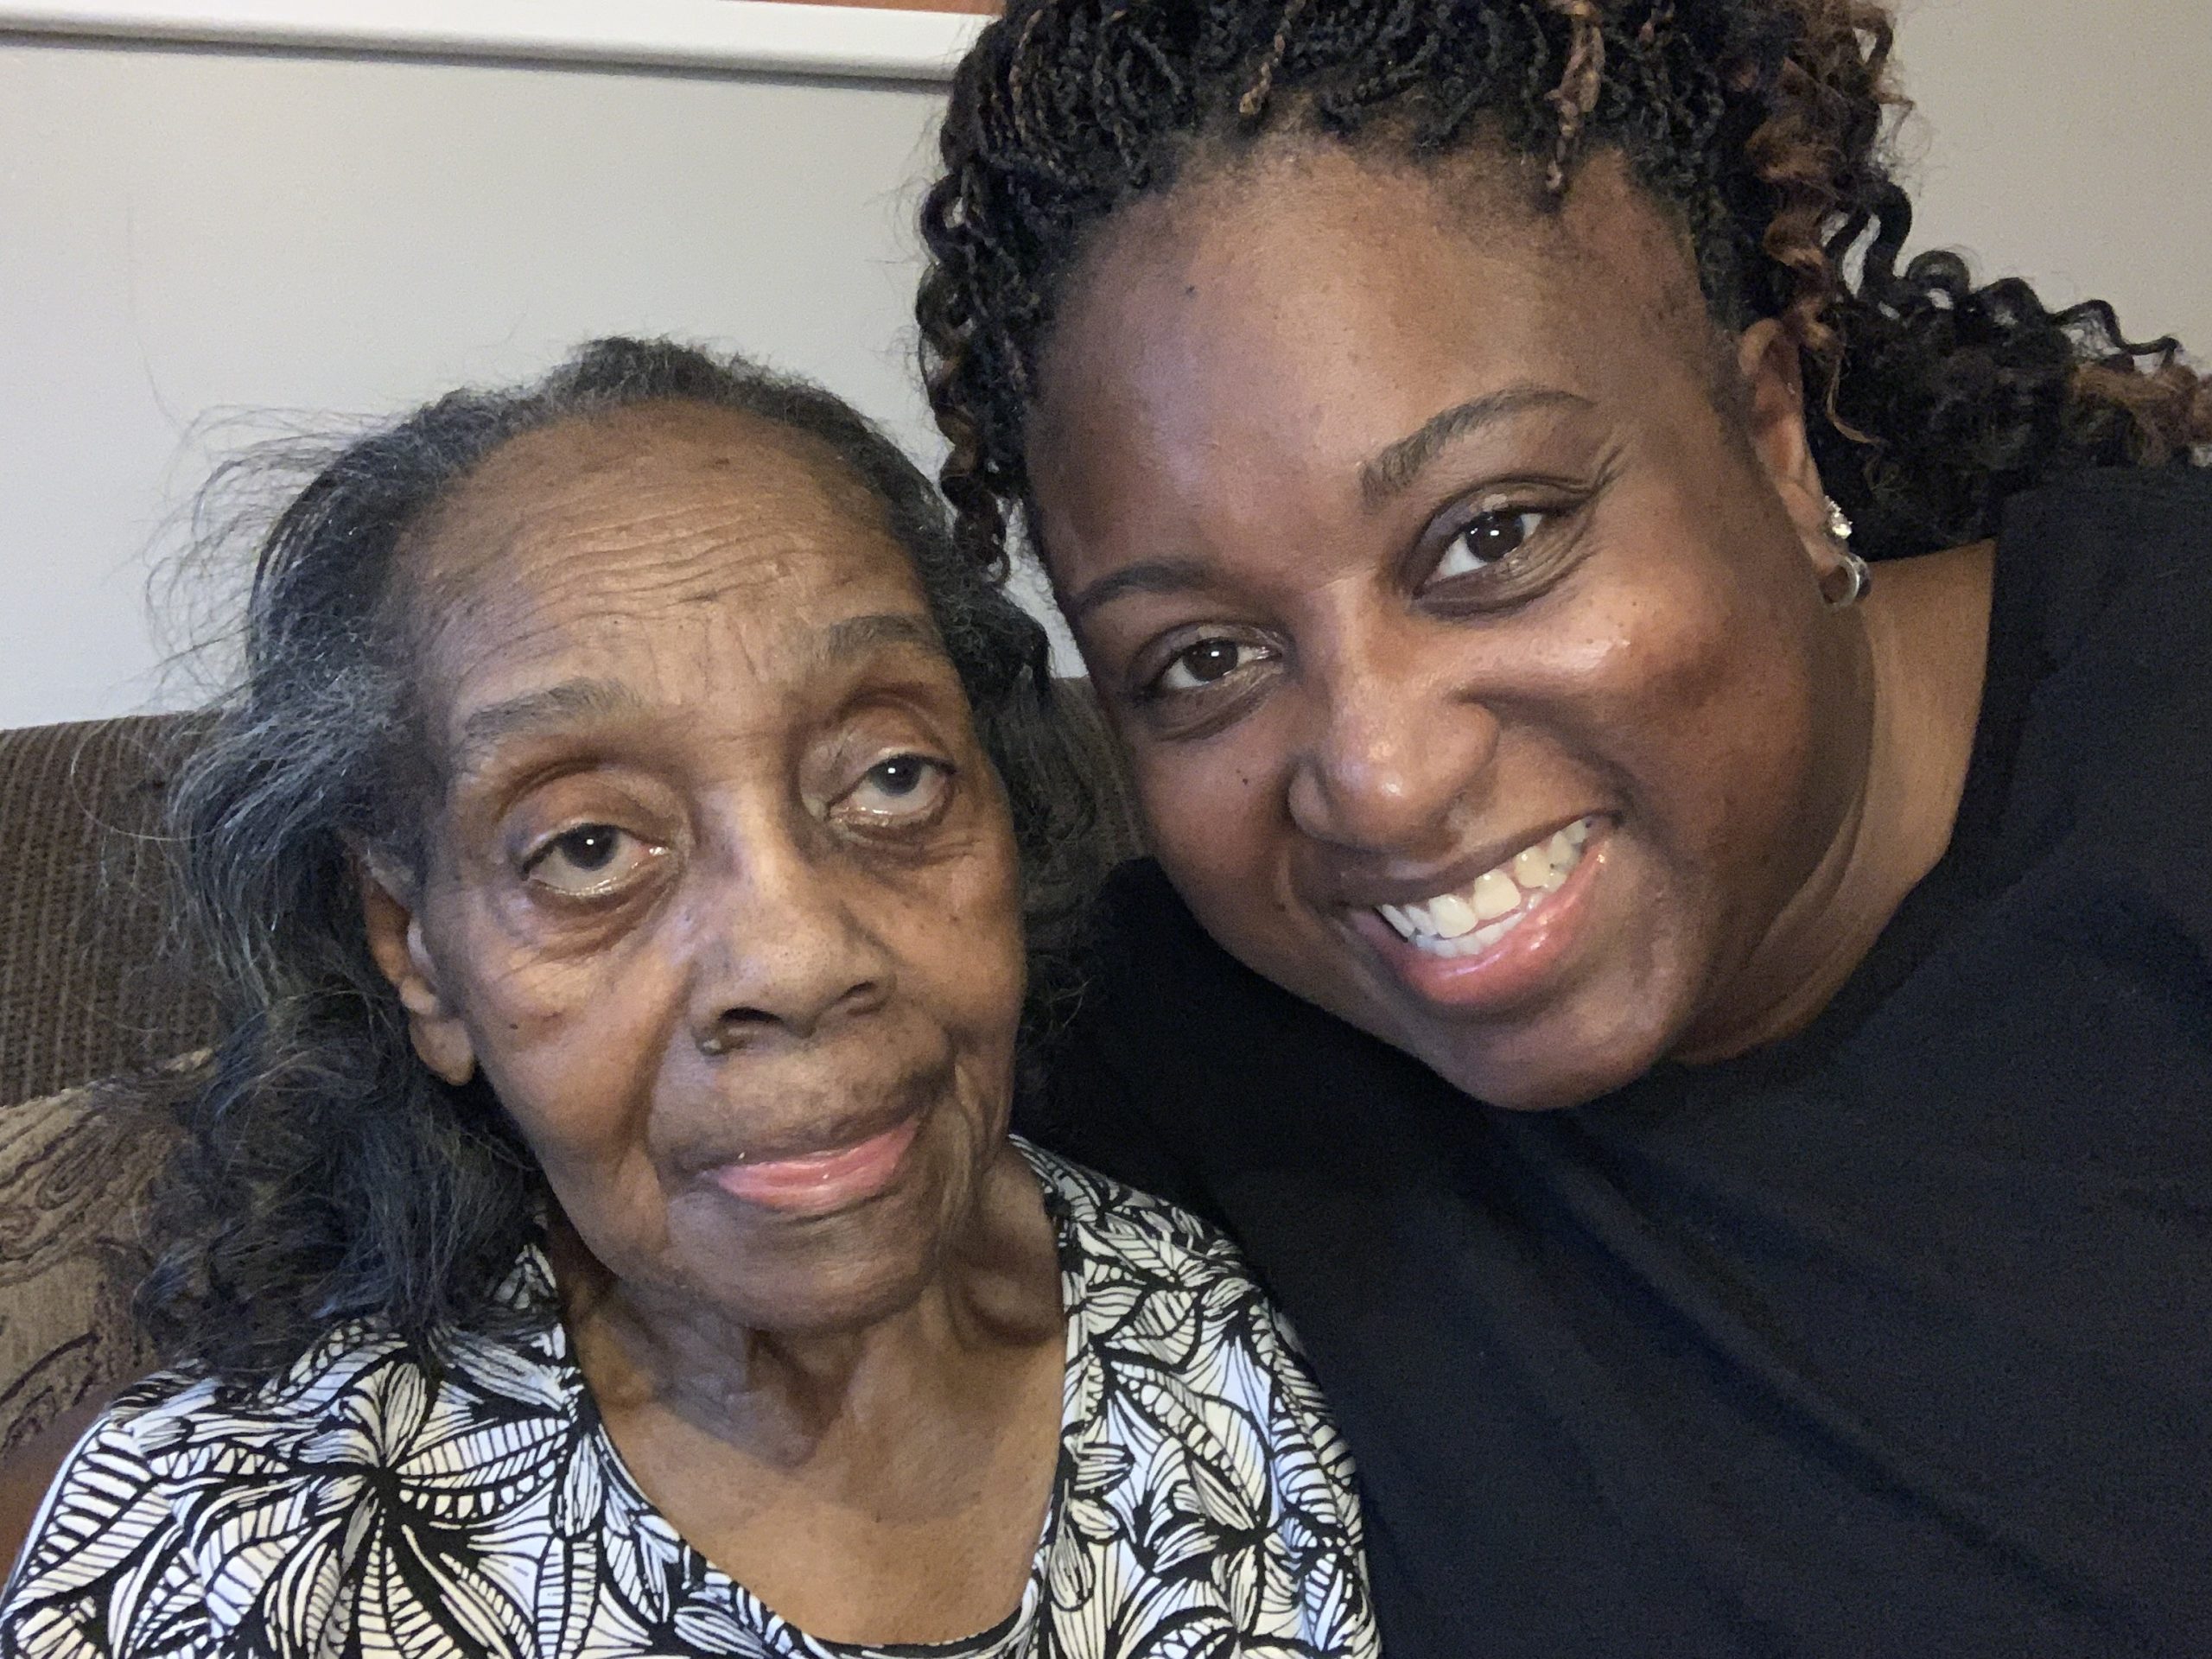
1481 915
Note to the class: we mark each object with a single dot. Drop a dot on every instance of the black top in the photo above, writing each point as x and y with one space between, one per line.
1894 1338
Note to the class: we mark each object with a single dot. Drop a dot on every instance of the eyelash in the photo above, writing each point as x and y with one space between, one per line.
648 852
929 766
569 841
1532 522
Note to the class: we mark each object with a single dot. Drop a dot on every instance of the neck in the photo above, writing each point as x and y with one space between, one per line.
779 1395
1923 647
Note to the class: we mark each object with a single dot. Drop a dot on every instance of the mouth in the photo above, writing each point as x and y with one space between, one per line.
1493 941
820 1183
1487 911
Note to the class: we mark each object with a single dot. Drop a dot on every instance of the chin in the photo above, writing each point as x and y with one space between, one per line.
811 1275
1549 1067
847 1285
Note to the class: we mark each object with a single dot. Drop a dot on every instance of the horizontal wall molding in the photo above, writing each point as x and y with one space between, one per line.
735 36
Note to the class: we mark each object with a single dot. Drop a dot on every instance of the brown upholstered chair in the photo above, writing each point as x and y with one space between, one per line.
91 989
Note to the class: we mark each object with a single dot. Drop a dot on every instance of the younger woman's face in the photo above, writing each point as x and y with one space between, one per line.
1458 601
722 894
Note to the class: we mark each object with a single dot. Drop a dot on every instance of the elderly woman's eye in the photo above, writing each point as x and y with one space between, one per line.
1207 663
1483 541
900 786
592 858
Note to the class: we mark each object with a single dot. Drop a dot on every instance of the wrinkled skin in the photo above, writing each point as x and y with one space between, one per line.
1402 524
720 876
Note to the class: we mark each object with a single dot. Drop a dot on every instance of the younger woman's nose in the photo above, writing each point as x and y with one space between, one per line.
1389 761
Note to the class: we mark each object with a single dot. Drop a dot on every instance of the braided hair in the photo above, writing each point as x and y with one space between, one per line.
1762 124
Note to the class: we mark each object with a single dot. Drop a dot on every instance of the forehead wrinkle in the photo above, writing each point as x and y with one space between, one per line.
677 558
588 700
675 474
657 515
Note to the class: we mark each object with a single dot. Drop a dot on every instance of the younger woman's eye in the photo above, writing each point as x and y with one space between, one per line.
590 860
1483 541
1207 663
900 787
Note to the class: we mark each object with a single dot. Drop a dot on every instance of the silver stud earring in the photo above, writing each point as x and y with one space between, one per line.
1856 577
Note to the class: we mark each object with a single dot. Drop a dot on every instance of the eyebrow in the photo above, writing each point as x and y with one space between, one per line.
1381 477
858 636
1148 577
1397 466
571 703
586 701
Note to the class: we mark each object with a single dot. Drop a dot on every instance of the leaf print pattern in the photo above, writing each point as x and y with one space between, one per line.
369 1503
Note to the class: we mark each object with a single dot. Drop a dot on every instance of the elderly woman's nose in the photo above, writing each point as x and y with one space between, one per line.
783 950
1389 758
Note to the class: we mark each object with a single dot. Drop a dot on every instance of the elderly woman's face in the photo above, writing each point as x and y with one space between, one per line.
1468 648
721 896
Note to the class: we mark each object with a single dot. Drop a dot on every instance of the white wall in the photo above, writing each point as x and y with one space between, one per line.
2071 142
184 231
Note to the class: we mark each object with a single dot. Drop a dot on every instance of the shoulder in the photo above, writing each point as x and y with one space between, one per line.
107 1568
238 1501
2103 604
1105 1221
2129 547
1194 1427
1184 1071
1157 1291
2100 693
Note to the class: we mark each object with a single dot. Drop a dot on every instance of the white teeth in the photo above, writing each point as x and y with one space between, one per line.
1471 921
1496 895
1451 915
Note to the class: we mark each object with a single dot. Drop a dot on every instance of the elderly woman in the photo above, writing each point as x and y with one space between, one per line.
1714 1050
602 1235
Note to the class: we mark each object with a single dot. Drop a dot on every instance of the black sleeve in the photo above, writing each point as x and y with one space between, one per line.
2122 564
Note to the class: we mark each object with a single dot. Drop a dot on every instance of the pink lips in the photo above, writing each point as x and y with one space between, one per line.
822 1182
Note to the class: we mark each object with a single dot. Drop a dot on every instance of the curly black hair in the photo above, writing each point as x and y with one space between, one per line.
324 1172
1762 125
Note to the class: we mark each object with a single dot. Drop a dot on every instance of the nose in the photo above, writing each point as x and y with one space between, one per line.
781 952
1396 750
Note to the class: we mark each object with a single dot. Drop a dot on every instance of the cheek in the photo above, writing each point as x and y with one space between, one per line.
1703 712
962 939
572 1043
1215 817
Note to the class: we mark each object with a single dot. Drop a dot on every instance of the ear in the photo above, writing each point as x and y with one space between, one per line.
1774 414
395 930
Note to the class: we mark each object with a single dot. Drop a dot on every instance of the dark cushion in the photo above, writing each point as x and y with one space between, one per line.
75 1168
89 985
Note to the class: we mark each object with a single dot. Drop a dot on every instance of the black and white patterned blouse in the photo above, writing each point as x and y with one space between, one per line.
1203 1503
